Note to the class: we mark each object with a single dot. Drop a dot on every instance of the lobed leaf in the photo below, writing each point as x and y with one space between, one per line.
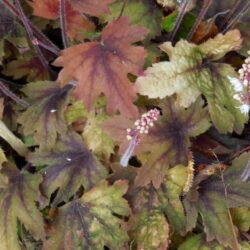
102 67
76 24
17 203
198 74
70 165
92 222
141 12
45 117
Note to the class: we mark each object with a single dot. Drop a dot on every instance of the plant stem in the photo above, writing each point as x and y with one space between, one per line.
179 18
12 96
30 34
40 36
234 20
63 23
206 5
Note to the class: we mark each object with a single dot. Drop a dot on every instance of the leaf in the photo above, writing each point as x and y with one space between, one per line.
96 139
75 112
199 242
196 75
150 230
141 12
17 203
92 7
169 196
91 222
103 66
217 195
176 4
75 22
241 218
148 226
168 141
26 66
45 117
69 166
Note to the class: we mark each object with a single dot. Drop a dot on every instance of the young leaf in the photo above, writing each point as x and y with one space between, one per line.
168 141
69 166
26 66
17 203
199 74
103 66
45 117
219 193
93 221
76 24
142 12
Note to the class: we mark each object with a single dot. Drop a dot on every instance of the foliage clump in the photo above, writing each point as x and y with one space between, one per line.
124 125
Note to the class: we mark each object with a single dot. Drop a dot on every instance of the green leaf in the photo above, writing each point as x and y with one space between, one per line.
96 139
26 65
199 242
75 112
69 166
241 218
217 194
142 12
17 203
150 230
45 117
198 74
93 221
169 196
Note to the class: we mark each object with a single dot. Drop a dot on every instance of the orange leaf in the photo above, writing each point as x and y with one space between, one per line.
75 22
102 67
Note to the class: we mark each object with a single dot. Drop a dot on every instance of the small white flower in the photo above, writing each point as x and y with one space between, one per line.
52 110
68 159
244 108
237 85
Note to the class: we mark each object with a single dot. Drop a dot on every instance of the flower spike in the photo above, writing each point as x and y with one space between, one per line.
142 126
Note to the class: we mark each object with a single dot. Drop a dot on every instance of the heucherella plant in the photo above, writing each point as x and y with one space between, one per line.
142 126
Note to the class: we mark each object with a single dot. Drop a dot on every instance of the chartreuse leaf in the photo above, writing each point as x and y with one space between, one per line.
75 112
95 138
17 203
169 196
93 221
241 218
167 143
69 166
217 194
143 12
26 65
45 117
148 226
150 230
198 242
198 74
